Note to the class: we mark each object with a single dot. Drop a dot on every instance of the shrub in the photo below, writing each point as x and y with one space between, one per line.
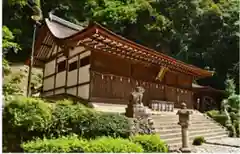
234 101
110 124
212 113
60 145
115 145
198 140
221 118
64 102
88 122
24 118
73 144
150 143
215 115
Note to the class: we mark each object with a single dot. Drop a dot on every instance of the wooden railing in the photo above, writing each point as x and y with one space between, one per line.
157 105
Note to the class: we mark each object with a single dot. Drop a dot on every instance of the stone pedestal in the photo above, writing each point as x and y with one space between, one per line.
184 116
137 110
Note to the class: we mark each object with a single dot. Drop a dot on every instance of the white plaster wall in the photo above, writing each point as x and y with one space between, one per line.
84 74
49 68
60 91
72 91
85 54
48 83
72 78
73 59
60 79
61 59
76 50
83 91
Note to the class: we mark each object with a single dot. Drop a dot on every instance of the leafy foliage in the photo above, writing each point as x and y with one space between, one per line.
27 118
24 118
11 85
68 144
221 118
73 144
115 145
150 143
8 40
234 101
230 86
87 122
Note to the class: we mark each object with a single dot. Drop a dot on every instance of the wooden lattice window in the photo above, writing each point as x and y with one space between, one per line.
84 61
72 66
61 66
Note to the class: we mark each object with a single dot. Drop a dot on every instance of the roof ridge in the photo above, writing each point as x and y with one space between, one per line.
65 22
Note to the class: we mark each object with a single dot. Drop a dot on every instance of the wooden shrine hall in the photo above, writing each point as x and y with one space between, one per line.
97 65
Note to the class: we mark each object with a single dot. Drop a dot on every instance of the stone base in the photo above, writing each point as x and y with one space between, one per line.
185 150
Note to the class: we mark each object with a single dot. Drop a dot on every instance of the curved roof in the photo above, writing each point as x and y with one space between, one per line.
106 40
61 28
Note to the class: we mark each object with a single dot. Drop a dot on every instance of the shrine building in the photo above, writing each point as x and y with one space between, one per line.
94 64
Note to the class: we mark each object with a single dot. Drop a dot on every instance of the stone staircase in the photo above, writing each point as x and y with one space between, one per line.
166 125
201 125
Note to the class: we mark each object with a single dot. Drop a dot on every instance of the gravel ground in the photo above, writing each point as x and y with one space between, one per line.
227 141
211 148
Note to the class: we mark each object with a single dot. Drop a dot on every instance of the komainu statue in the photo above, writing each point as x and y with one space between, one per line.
136 96
142 123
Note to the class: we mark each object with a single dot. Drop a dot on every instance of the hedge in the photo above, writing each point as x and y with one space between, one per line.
73 144
26 118
88 123
59 145
115 145
150 143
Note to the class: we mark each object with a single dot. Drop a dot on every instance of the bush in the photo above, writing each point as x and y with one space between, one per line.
221 118
110 124
198 140
115 145
24 118
73 144
88 123
234 101
213 113
64 102
150 143
59 145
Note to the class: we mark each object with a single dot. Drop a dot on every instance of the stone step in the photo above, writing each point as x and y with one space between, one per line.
207 136
175 126
191 132
170 122
166 120
166 131
178 144
176 118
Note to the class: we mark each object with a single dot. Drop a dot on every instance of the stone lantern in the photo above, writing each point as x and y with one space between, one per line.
184 122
